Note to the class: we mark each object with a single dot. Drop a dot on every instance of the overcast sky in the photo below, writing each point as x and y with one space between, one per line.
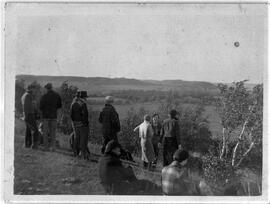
189 42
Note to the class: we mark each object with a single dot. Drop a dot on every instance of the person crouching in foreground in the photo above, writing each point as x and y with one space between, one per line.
115 178
146 134
175 176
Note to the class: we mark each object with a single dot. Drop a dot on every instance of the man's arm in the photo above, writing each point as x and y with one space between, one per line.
71 112
41 103
115 121
161 134
59 101
177 133
26 102
100 117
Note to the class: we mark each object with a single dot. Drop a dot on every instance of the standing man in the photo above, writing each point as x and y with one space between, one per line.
31 140
80 122
110 122
49 103
75 114
156 126
170 137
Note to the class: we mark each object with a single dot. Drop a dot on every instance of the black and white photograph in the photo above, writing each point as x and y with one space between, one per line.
150 100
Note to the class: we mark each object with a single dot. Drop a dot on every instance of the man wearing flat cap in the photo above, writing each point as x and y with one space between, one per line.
110 122
50 102
31 140
170 137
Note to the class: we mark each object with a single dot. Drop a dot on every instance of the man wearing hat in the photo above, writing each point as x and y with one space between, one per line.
115 178
31 140
170 137
49 103
174 178
110 122
80 123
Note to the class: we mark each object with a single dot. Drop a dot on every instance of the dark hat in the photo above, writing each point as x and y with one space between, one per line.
48 86
112 145
83 94
180 155
173 113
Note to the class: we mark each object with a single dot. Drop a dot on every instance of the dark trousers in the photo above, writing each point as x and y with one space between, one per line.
107 139
81 141
156 150
31 140
169 148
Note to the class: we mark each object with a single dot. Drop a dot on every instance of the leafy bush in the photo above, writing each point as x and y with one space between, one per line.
127 137
67 93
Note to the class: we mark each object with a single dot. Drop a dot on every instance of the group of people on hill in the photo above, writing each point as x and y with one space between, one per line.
177 178
155 135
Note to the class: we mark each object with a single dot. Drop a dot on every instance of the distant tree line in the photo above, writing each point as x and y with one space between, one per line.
141 96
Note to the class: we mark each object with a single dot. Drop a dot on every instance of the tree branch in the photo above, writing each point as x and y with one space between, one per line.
245 154
223 143
238 143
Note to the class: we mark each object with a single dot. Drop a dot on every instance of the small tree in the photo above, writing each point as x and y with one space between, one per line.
127 137
241 117
67 93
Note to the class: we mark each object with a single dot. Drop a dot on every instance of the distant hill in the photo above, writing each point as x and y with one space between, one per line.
104 85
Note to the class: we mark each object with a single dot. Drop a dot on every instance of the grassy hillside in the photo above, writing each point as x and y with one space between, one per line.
54 173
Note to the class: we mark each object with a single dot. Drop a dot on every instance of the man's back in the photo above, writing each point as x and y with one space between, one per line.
27 103
109 119
174 180
49 104
170 128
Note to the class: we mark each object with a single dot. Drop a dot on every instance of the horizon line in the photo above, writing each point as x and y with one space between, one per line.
108 77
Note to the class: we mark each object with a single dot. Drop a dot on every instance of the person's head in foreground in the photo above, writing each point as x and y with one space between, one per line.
109 100
181 156
113 147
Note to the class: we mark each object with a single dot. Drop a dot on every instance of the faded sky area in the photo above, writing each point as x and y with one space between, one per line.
143 41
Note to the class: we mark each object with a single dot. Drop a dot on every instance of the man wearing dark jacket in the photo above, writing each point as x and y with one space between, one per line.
49 103
170 137
80 123
115 178
110 122
31 140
